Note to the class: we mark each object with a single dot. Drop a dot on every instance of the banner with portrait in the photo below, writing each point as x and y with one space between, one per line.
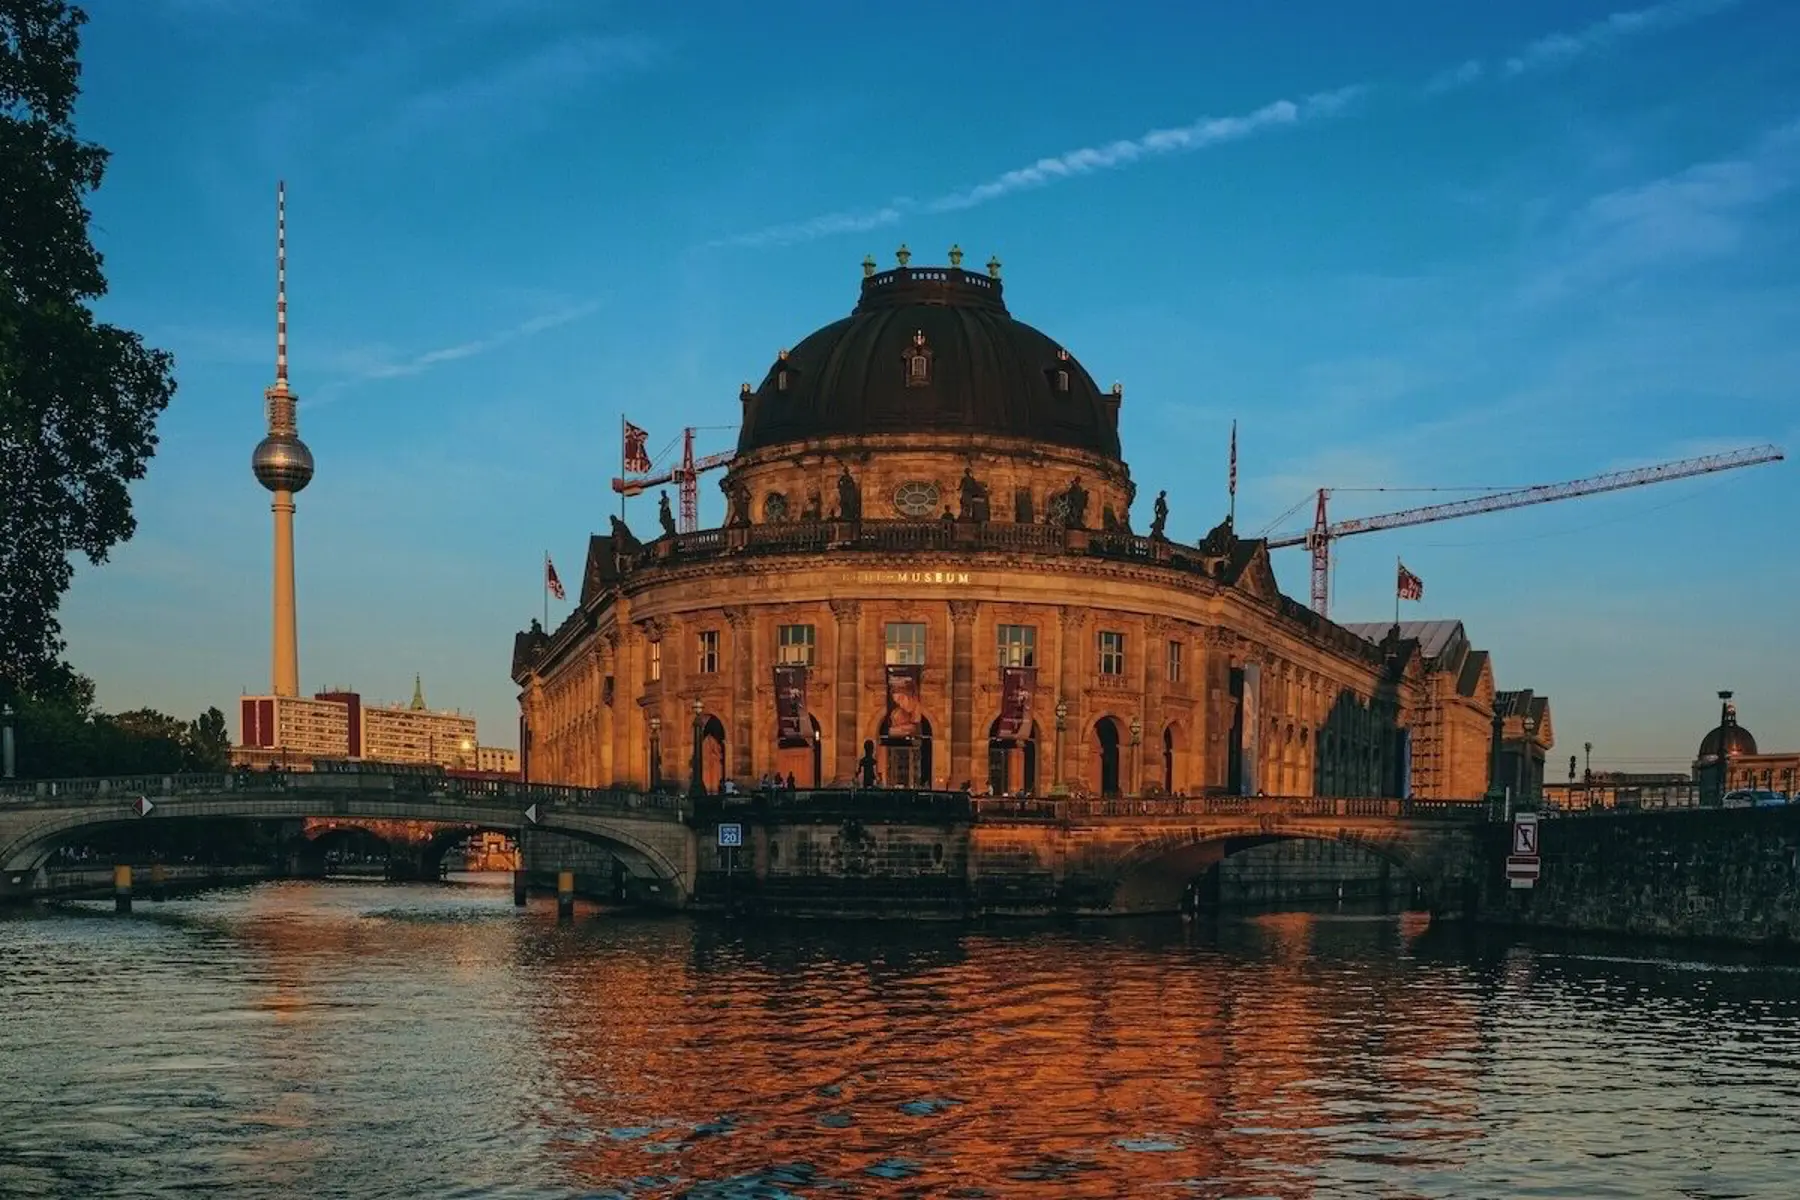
1252 729
1016 686
790 705
903 701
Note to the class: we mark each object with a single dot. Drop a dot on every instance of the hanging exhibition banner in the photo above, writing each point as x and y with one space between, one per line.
790 705
1016 686
1252 726
903 701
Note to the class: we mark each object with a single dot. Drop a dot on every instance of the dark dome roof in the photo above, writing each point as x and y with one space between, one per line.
1735 738
985 373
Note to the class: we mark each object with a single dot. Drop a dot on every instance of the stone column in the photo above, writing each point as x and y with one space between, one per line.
628 685
743 691
1211 764
1070 645
1156 650
609 660
962 690
848 686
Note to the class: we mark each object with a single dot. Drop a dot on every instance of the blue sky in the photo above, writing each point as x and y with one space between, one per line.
1403 244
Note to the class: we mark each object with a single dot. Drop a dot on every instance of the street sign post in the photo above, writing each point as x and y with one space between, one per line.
142 806
731 834
1524 864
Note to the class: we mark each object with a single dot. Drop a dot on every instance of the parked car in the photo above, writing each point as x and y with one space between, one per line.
1754 798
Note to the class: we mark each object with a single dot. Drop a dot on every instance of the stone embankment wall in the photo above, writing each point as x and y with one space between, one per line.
1306 872
1726 874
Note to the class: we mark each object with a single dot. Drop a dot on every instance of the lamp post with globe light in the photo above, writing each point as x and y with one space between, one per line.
697 785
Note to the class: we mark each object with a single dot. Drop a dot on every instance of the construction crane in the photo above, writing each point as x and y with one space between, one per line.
1323 533
685 475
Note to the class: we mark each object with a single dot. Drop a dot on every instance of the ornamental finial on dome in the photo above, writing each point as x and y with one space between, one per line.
744 390
993 265
903 254
1118 389
868 265
956 256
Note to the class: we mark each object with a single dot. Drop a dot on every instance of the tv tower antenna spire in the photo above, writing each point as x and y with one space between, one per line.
284 466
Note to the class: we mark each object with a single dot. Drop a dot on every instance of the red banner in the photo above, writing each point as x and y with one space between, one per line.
637 450
790 705
903 701
1016 686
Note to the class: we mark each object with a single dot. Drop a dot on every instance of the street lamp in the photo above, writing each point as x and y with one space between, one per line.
1062 720
818 755
6 739
655 754
1529 724
697 785
468 751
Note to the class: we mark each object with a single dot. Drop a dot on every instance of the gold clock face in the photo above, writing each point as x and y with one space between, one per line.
916 499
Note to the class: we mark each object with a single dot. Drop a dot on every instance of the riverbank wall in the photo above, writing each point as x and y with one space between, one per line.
1729 875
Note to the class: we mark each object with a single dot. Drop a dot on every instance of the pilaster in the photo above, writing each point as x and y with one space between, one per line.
743 698
848 615
962 690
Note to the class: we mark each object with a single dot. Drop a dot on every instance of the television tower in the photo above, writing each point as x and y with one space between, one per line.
284 465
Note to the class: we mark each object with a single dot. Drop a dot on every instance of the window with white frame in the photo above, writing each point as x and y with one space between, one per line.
708 657
1112 653
1173 661
1018 645
794 645
653 663
905 643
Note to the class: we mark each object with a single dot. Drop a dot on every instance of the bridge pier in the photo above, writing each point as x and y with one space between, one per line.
521 880
565 895
159 883
122 888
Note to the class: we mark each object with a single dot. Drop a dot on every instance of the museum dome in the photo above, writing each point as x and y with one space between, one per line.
930 350
1734 738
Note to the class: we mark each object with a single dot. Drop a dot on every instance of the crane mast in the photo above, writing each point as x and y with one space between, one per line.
1323 533
685 475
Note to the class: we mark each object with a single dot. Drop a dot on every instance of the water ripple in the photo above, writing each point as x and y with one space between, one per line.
362 1040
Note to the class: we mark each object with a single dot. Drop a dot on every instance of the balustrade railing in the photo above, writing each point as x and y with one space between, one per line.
54 793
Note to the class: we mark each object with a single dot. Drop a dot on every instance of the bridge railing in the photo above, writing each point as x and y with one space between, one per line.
62 793
1069 809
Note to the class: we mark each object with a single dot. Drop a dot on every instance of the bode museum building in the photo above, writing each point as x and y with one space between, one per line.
935 572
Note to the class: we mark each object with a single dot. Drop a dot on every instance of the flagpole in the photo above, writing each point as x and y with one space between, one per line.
1231 510
622 452
546 590
1397 569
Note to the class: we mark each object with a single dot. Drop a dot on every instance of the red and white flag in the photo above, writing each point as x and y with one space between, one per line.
1232 486
637 450
551 583
1409 586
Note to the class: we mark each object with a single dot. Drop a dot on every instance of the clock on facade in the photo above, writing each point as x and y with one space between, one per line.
916 499
775 508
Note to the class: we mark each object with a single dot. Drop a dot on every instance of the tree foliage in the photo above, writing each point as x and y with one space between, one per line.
79 398
66 737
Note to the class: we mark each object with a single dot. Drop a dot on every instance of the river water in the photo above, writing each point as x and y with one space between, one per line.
365 1040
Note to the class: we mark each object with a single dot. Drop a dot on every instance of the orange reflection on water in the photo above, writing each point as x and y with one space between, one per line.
1074 1063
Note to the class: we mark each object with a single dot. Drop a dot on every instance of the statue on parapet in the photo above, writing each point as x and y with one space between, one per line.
974 497
815 507
737 492
537 628
1159 517
1219 542
663 515
624 541
849 499
1109 520
1075 502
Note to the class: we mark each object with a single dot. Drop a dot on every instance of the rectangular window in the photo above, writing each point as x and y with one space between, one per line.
905 643
1174 661
1112 653
794 645
709 652
1018 645
653 664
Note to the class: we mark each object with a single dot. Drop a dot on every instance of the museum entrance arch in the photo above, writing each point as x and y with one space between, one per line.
802 758
906 762
712 754
1012 762
1105 749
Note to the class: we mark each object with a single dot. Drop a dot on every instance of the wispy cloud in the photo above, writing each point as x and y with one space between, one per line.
1695 214
1071 164
1561 48
378 366
518 89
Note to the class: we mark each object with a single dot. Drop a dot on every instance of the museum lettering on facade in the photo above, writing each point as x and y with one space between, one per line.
936 570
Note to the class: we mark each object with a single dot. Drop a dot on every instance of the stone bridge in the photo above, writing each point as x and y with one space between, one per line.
825 851
647 834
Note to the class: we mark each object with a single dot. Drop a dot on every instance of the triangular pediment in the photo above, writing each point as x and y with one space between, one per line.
1258 575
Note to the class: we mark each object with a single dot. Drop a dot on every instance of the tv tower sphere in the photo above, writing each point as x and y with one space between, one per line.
282 463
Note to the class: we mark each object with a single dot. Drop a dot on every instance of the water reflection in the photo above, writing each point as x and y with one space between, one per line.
366 1040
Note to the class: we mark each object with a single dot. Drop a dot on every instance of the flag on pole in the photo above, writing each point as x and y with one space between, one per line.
551 582
637 450
1234 460
1409 586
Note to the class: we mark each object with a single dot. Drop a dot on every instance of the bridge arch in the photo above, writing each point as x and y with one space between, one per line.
1153 876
